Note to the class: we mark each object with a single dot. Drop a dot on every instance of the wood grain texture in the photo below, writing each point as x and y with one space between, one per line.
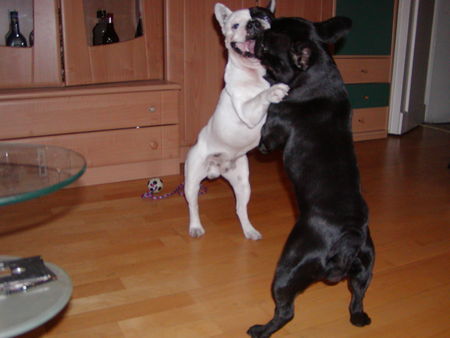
364 70
137 273
369 120
33 117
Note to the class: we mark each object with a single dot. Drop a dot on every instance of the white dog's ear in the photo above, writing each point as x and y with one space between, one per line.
222 12
272 5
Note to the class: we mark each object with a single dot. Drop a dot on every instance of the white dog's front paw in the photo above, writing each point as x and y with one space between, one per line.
252 234
196 232
277 92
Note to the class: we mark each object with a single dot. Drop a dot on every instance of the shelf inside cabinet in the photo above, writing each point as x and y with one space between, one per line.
126 15
132 59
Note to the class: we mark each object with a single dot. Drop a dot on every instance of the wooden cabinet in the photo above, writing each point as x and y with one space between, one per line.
63 53
364 58
126 131
111 103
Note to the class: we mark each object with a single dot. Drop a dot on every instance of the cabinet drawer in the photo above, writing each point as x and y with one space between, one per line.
364 70
86 112
118 146
369 119
368 95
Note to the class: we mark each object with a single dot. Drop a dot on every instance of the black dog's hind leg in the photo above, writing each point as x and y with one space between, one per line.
284 296
358 281
293 276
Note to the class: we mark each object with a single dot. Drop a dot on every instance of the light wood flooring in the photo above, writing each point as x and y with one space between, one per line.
137 273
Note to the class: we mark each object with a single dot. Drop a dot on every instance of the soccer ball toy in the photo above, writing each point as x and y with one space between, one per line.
155 185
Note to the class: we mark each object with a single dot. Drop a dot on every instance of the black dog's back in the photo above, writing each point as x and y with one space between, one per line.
330 240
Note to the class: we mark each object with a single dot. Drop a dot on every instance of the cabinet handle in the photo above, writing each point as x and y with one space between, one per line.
154 145
366 97
361 120
365 71
151 109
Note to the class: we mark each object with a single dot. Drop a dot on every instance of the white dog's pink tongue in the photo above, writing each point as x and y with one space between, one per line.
250 46
247 46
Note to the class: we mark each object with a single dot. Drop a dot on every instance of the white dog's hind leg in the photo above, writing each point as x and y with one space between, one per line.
194 172
238 178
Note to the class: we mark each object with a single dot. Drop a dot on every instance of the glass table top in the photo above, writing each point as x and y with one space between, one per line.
28 171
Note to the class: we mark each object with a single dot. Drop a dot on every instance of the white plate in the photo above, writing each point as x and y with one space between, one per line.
24 311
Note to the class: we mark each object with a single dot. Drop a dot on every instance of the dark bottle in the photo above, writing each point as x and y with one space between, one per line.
14 38
110 35
100 28
31 38
139 29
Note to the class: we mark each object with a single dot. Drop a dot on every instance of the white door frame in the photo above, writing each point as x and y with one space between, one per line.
400 84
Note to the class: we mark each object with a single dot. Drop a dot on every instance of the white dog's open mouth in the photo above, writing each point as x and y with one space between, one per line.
246 48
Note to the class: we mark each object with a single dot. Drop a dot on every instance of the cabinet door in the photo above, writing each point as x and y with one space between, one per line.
372 27
130 59
35 66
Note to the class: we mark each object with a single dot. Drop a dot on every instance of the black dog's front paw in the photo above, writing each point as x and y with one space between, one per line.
360 319
257 331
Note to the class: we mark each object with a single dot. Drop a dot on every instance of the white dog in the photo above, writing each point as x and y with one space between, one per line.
235 126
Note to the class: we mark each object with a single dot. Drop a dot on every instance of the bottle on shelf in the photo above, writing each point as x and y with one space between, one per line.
139 28
110 35
100 28
14 38
31 38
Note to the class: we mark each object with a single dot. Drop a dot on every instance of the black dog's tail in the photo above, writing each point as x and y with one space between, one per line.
342 255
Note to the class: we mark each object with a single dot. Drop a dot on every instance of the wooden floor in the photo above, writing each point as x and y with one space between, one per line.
136 272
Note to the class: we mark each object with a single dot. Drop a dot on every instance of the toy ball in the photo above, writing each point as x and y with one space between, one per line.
155 185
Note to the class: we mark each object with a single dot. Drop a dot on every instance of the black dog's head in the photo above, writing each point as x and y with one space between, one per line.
294 45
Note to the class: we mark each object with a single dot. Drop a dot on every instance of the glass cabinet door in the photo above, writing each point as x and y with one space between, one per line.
29 44
112 40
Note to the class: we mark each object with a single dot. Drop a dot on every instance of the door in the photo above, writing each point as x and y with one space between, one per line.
412 50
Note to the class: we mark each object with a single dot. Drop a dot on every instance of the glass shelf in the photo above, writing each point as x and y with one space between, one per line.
28 171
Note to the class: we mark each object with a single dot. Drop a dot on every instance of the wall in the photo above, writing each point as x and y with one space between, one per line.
438 83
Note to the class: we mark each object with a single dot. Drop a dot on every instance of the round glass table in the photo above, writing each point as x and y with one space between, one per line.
29 171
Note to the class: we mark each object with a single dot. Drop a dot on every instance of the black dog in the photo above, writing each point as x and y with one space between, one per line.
331 239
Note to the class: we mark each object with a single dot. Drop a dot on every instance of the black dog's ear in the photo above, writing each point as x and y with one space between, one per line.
333 29
301 55
272 5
